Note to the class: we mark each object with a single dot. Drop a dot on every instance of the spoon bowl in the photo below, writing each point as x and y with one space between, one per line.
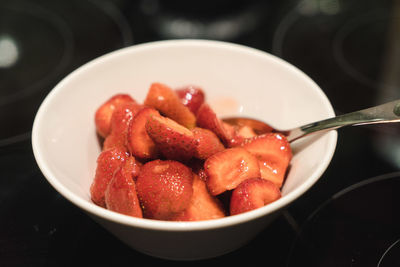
385 113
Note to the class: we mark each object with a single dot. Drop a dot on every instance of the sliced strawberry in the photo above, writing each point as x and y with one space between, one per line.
238 134
113 141
273 153
202 174
246 126
172 139
197 167
207 143
107 163
206 118
120 122
104 113
230 130
237 140
164 188
252 194
246 132
228 168
203 206
167 102
139 142
120 195
231 133
192 97
132 167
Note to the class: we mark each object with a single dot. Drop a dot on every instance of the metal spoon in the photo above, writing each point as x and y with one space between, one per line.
385 113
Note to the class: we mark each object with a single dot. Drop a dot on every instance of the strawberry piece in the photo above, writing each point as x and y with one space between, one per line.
238 134
113 141
228 168
120 122
197 167
139 142
237 140
247 127
107 163
166 101
132 167
120 195
192 97
274 154
104 113
206 118
203 206
252 194
172 139
246 132
229 129
202 174
164 188
207 143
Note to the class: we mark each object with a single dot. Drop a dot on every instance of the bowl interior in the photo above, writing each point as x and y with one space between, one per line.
237 81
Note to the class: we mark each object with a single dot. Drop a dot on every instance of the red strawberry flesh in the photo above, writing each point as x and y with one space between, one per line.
273 153
132 167
104 113
108 162
139 142
120 195
207 143
120 122
167 102
206 118
252 194
227 169
164 188
192 97
173 140
172 158
203 206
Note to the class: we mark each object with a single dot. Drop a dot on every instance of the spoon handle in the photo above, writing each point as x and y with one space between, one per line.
389 112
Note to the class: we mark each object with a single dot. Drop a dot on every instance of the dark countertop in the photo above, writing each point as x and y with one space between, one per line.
350 48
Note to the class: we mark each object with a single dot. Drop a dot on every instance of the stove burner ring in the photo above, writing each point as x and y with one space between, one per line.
64 31
65 36
389 251
15 139
338 46
282 29
113 12
300 10
38 12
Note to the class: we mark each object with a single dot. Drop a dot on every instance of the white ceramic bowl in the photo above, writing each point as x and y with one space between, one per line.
237 80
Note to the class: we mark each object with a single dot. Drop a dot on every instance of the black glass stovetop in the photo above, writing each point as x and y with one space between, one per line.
351 48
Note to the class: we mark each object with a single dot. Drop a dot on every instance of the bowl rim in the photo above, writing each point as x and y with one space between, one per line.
152 224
